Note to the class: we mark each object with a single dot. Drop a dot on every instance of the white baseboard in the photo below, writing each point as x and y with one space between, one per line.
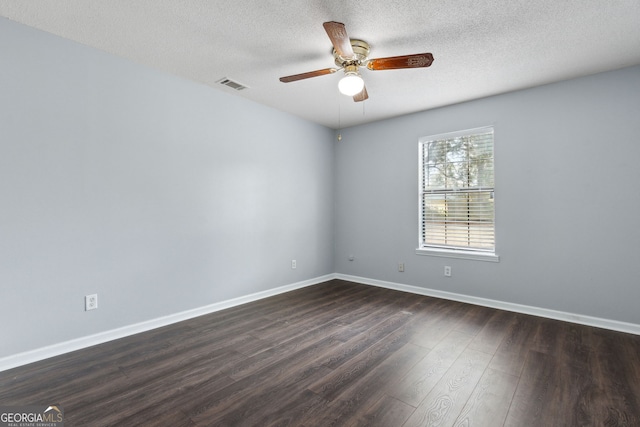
597 322
35 355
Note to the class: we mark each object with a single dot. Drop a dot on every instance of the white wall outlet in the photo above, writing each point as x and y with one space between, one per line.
293 264
90 302
447 271
401 267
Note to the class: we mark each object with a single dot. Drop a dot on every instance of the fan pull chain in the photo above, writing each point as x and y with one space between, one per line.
339 124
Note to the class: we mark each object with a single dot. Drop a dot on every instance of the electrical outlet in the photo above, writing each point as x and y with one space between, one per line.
401 267
293 264
447 271
90 302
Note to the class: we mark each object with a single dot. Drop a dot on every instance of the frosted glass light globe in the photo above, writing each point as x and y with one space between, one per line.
351 84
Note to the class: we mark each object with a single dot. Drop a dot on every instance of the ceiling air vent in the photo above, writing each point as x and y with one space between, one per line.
230 83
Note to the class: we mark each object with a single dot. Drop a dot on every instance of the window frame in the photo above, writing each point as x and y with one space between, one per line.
444 250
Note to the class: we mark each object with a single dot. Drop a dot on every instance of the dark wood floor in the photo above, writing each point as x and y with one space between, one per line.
345 354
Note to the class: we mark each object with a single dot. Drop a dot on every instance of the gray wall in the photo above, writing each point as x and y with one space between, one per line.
567 198
159 194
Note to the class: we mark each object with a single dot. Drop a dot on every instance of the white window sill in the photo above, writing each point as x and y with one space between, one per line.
450 253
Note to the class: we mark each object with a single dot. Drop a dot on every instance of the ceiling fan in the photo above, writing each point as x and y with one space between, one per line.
350 55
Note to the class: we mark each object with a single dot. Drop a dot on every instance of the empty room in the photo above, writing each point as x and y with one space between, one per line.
319 213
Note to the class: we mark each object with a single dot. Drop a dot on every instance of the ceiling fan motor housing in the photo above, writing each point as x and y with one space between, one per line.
361 51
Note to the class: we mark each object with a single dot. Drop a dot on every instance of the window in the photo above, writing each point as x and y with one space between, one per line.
457 194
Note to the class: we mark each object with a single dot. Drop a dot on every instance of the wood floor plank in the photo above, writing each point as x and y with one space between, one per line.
386 412
282 350
234 335
151 417
167 386
536 391
490 337
305 405
418 382
447 399
217 403
59 386
361 320
363 341
550 388
615 396
513 350
474 319
357 367
89 363
435 323
369 393
266 401
561 338
155 399
490 401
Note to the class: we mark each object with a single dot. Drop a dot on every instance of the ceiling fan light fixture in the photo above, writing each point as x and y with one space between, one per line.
350 55
351 84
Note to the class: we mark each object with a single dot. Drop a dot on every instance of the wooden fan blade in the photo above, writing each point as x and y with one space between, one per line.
361 96
406 61
302 76
339 38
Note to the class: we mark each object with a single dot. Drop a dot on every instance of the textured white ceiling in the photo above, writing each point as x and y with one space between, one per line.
481 47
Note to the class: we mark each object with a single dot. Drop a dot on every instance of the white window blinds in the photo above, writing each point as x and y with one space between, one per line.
456 191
